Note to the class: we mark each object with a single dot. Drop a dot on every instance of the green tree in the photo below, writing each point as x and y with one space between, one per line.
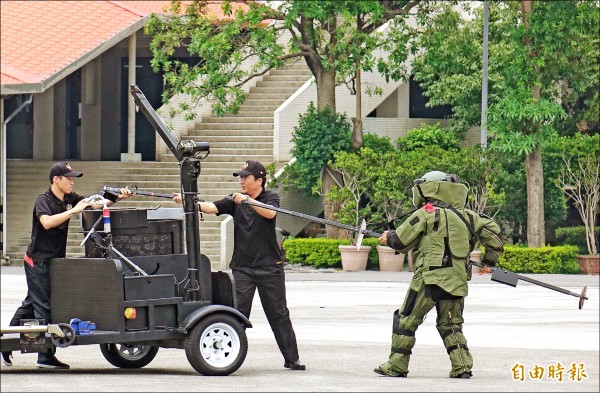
316 138
543 59
580 180
335 38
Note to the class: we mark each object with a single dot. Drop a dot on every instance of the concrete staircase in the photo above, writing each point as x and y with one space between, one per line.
27 179
233 139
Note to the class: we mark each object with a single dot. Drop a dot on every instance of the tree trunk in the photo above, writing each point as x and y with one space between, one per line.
326 89
325 80
330 208
534 174
357 140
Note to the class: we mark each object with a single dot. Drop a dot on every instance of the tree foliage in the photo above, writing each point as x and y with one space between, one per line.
378 182
563 62
580 181
316 138
428 135
333 37
543 77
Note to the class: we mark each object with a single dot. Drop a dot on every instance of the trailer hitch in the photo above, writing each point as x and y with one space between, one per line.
61 334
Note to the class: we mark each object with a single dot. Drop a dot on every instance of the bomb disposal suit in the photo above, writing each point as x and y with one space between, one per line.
441 243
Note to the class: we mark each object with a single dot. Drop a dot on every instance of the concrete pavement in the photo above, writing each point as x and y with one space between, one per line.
343 326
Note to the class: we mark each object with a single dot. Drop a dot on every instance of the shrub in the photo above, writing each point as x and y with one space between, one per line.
428 135
548 260
317 137
574 236
323 252
379 144
318 252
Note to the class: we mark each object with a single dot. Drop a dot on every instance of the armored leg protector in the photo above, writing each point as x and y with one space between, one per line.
405 324
403 340
449 325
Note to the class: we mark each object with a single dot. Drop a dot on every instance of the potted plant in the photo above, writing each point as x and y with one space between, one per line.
580 181
353 169
388 196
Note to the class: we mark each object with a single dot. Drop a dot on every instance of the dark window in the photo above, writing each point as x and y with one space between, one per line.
418 101
19 130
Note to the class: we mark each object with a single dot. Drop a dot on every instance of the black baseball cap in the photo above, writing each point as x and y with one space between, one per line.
63 169
252 168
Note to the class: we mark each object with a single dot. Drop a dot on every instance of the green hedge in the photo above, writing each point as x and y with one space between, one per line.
574 236
549 260
324 253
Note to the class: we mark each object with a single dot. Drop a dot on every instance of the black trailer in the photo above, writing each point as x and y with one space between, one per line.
136 290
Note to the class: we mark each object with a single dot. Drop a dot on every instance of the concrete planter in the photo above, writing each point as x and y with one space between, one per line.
589 263
354 260
475 256
389 261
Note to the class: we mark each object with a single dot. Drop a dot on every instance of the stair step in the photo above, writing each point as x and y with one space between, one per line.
277 84
256 110
198 133
236 126
239 119
240 139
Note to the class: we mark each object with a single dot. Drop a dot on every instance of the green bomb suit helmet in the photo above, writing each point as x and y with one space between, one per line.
440 186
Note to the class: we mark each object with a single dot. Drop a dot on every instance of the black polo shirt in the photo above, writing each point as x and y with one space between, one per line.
50 243
254 238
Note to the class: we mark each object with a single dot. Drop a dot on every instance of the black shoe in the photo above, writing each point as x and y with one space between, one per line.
465 375
294 365
52 363
7 358
381 372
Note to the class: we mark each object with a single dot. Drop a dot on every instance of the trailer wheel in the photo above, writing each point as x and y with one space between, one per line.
128 355
217 345
68 339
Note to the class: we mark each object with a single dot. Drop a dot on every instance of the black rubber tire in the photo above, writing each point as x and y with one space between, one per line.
128 355
68 339
217 345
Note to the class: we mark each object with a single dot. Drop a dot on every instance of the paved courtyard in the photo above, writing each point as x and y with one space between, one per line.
520 338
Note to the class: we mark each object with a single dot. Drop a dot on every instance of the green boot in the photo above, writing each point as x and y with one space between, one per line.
386 369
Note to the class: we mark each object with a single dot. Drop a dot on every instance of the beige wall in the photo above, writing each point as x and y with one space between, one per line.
43 125
60 94
90 120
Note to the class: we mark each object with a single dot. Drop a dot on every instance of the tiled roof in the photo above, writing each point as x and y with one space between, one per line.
42 38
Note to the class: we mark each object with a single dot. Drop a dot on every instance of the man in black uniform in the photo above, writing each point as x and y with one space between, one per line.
50 226
256 261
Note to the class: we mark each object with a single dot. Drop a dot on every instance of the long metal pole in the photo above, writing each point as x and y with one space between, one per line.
116 191
581 295
315 219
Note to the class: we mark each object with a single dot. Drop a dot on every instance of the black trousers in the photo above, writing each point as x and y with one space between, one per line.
37 302
270 282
